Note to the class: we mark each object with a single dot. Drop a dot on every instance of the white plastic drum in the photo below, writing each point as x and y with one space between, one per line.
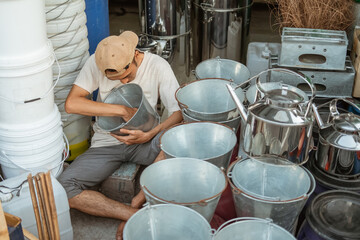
22 30
71 65
72 51
66 10
69 37
66 24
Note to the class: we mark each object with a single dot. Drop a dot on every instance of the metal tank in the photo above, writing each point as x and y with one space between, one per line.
220 28
164 24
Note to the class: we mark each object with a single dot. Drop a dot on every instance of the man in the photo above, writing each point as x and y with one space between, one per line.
116 62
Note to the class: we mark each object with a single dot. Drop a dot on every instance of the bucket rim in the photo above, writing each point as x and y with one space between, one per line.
149 207
143 99
238 191
220 60
233 135
202 202
42 60
239 220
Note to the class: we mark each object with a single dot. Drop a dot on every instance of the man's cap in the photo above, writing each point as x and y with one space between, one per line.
116 52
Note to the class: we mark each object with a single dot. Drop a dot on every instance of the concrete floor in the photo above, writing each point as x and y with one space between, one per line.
124 16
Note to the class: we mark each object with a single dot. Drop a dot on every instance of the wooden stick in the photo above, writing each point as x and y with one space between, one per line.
4 234
35 206
41 205
47 204
29 235
52 206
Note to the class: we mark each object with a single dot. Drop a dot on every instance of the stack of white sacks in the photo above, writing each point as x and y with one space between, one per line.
31 133
66 28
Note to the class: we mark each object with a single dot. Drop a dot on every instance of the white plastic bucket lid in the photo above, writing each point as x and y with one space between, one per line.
68 37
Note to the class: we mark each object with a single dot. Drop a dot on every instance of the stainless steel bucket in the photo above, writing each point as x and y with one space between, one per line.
167 221
222 68
251 229
233 123
130 95
208 99
212 142
172 181
270 187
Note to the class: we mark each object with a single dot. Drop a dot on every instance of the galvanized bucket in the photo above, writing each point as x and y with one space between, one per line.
251 229
174 178
130 95
270 187
222 68
233 123
208 99
212 142
167 221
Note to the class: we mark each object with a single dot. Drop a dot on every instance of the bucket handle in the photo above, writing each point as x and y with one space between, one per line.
45 95
65 156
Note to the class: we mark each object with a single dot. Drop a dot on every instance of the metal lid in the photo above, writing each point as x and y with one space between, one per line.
344 132
335 215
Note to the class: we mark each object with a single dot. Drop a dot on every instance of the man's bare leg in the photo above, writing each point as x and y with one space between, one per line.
95 203
137 201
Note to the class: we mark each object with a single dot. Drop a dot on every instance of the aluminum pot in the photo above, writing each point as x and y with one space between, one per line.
332 215
130 95
280 123
338 150
208 99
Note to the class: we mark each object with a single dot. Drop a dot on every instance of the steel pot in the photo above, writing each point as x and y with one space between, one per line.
280 123
338 150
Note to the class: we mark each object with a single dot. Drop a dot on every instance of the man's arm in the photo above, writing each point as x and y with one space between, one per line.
138 136
78 103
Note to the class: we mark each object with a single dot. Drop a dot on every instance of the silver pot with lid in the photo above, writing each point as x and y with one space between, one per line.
338 150
332 215
280 122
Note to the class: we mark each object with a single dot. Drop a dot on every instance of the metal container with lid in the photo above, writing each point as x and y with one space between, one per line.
280 123
332 215
339 142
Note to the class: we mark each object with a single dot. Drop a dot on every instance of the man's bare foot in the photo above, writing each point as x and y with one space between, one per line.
119 231
138 200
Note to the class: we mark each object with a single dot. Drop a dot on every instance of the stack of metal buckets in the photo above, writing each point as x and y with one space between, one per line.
66 28
31 134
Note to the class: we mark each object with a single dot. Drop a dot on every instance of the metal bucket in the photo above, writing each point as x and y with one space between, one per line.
222 68
167 221
233 123
208 99
130 95
174 176
269 187
251 229
212 142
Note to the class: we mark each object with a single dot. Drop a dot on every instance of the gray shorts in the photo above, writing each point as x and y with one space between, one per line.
97 164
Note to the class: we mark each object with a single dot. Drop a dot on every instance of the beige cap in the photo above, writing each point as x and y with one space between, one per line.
116 52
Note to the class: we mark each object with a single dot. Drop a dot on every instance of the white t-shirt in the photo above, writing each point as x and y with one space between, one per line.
154 76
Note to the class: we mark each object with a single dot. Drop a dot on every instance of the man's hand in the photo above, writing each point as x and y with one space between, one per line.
128 113
134 137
